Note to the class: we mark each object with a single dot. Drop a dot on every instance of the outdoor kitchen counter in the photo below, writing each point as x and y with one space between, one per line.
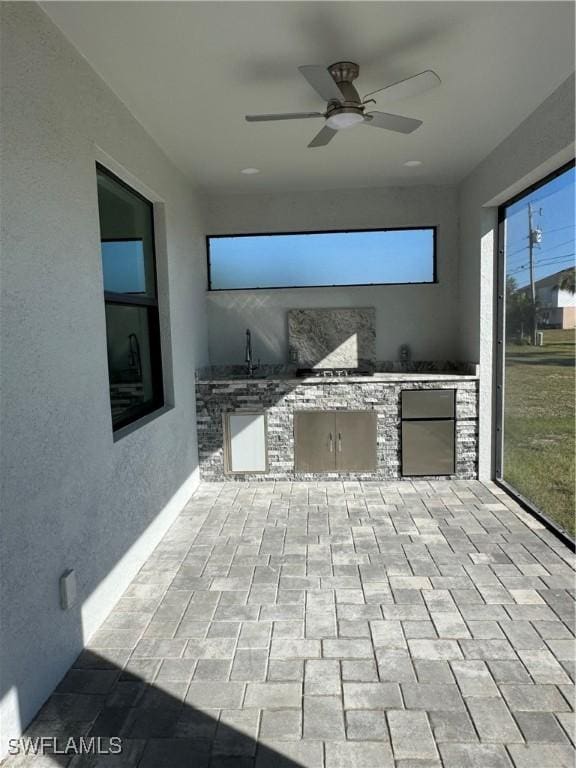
280 394
390 371
386 377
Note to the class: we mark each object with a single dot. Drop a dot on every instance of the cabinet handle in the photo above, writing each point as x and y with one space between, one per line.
339 442
331 443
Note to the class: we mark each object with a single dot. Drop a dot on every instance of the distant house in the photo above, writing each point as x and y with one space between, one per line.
557 307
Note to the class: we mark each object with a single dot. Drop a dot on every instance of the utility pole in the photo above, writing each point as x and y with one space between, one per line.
534 238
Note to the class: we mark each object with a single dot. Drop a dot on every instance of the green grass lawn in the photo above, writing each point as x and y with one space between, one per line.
539 447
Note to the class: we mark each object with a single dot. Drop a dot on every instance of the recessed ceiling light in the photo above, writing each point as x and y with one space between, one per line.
412 163
250 171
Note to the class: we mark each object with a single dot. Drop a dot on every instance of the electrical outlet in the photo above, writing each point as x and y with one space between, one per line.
67 589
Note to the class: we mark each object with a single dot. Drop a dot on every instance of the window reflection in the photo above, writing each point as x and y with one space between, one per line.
132 320
123 266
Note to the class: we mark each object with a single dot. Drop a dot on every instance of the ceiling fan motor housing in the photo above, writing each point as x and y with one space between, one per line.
344 71
350 111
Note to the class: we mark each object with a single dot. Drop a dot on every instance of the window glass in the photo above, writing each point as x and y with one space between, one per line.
123 266
322 259
131 361
127 235
132 321
538 365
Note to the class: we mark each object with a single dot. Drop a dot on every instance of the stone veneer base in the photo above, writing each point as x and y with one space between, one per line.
279 399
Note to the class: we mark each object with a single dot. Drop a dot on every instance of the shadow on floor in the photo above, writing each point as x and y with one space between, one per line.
152 723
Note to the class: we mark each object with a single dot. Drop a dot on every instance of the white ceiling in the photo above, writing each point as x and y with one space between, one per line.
189 71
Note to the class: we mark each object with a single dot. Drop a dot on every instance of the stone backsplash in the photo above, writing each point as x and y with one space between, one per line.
332 338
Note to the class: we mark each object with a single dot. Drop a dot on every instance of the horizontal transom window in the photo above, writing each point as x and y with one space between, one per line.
322 259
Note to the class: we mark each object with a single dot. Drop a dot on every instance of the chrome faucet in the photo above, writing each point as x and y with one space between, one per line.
250 367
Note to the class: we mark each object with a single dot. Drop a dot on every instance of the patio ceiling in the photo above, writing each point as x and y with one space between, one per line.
190 71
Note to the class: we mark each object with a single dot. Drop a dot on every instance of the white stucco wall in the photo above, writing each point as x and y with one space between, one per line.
540 145
564 299
71 497
419 315
550 296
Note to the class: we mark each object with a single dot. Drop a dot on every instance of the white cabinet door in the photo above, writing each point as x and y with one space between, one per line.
246 442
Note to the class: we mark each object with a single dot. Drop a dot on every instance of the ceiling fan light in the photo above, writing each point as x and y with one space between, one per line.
341 120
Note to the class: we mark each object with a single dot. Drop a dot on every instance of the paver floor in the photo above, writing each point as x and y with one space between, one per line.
334 625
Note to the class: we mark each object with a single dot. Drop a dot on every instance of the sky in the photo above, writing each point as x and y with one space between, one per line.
343 258
555 200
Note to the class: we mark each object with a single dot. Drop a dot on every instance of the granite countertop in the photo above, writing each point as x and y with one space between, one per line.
466 372
376 378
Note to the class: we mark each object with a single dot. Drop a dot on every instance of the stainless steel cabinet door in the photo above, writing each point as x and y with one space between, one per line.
428 403
356 441
314 441
428 448
245 442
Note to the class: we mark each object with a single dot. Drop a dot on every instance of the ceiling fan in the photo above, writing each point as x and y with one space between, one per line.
346 109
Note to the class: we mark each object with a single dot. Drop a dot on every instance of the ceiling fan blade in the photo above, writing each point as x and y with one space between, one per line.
285 116
322 82
322 138
391 122
404 89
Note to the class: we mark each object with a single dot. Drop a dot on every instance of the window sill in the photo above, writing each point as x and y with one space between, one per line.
318 287
141 422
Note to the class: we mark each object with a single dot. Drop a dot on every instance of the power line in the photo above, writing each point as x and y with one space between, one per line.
518 250
557 229
554 259
544 263
548 260
552 247
540 260
524 267
558 245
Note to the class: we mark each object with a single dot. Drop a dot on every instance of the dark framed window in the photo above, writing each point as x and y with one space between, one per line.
322 259
536 361
131 300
